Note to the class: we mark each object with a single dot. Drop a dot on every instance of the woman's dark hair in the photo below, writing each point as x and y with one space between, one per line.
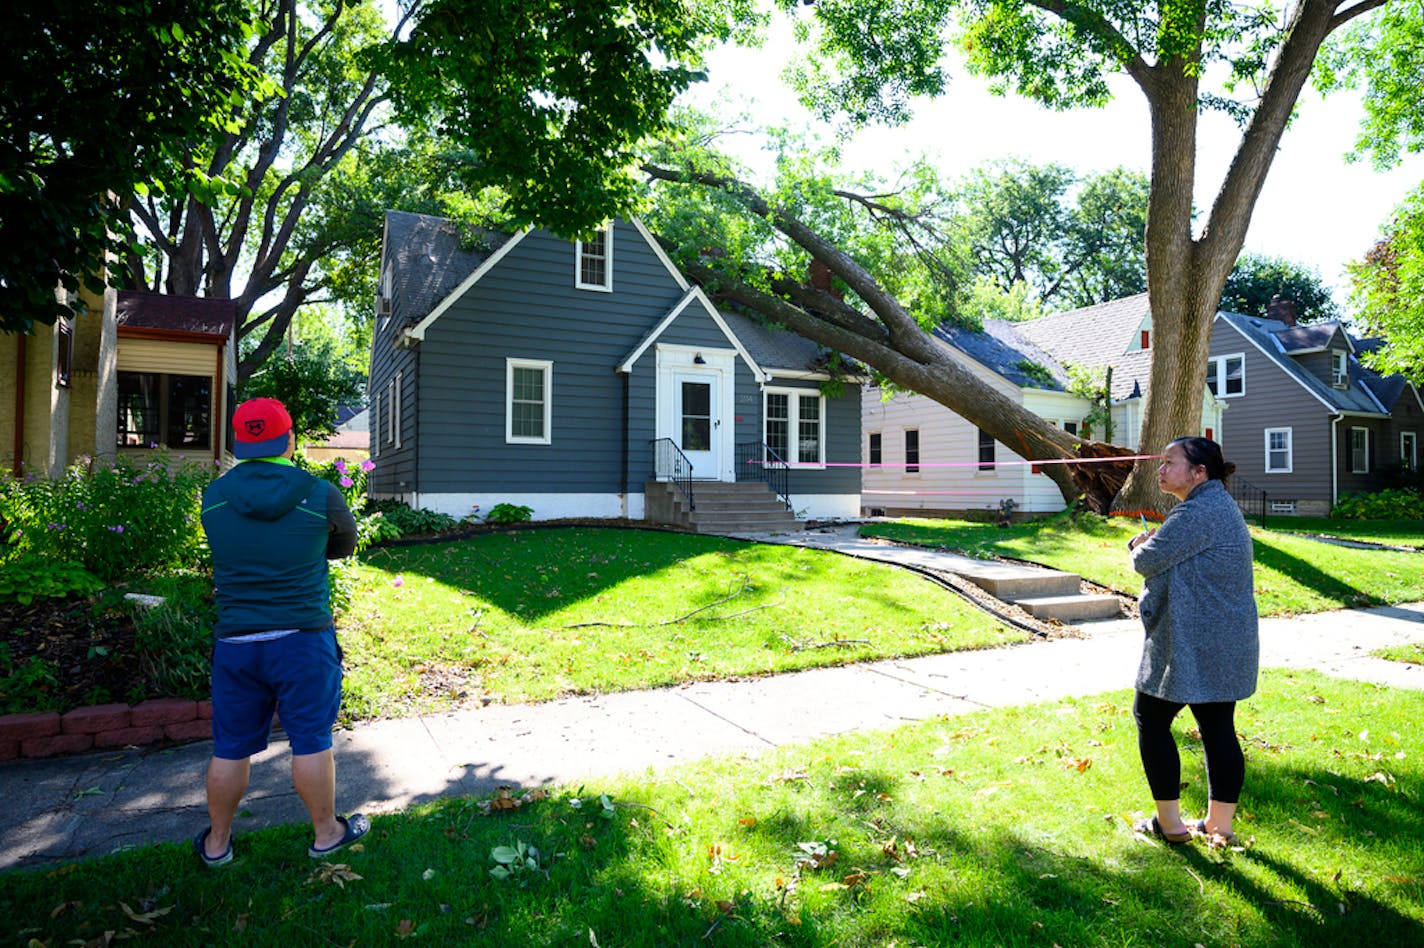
1206 453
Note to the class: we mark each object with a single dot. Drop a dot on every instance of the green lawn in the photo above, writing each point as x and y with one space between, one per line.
535 614
1006 827
1293 574
1390 532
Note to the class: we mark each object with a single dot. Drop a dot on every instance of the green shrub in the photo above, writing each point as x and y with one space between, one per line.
115 518
406 520
31 685
509 513
1399 504
24 579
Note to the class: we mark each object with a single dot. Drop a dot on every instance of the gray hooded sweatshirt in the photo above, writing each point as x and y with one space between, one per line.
1198 606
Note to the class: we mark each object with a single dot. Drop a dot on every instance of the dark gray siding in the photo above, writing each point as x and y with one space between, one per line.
842 434
395 471
1406 416
526 307
1273 400
1379 453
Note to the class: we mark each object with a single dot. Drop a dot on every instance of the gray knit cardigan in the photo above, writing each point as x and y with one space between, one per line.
1198 606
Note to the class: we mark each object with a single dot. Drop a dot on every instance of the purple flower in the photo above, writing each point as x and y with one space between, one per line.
117 528
368 466
341 465
347 482
398 581
80 505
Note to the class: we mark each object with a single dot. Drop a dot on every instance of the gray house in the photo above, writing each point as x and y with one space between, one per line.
591 379
1307 421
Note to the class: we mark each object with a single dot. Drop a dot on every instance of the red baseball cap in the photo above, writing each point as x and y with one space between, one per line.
260 427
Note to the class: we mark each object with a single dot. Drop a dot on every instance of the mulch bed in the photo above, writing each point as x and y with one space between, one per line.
90 651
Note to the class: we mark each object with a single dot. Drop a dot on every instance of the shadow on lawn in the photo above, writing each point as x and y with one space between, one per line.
532 574
1309 576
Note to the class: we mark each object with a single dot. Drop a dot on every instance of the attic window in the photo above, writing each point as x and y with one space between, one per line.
1146 338
1339 368
593 261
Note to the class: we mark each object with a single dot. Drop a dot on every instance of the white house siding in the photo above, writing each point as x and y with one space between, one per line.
946 438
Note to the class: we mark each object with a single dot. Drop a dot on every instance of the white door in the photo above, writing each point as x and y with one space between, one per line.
698 422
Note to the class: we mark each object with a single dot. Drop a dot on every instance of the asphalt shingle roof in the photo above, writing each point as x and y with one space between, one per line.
1267 335
1096 337
430 256
773 348
1001 347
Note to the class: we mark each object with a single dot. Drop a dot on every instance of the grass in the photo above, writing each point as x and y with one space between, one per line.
1412 653
532 615
1389 532
1294 575
1006 827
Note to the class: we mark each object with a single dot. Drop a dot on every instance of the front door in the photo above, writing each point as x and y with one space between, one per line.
695 401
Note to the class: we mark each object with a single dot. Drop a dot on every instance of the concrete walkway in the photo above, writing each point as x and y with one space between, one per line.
59 810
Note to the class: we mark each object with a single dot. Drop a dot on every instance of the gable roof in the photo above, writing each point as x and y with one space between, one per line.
1096 337
139 313
1001 348
432 261
1265 335
693 295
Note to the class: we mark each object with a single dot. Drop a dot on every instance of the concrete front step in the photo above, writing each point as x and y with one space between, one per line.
1075 608
1012 582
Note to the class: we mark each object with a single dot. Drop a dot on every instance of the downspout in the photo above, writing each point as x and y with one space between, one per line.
1334 463
18 462
623 474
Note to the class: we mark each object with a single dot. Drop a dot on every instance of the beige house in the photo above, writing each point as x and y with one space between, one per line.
134 372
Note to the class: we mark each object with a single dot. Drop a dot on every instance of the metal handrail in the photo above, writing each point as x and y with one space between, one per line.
757 461
1248 496
670 464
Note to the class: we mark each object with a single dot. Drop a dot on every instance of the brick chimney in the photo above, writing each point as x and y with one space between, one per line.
1283 310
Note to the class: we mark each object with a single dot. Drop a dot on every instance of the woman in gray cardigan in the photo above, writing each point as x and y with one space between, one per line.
1199 611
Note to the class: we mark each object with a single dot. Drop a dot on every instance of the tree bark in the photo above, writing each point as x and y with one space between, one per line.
889 340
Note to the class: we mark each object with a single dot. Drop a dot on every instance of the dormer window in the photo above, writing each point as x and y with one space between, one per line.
593 261
1226 375
1339 368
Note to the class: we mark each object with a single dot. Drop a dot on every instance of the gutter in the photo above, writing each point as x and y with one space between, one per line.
1334 460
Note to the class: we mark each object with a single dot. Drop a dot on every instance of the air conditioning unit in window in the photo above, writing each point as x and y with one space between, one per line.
1339 380
383 305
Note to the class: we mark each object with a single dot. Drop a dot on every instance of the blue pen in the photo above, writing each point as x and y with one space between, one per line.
1143 518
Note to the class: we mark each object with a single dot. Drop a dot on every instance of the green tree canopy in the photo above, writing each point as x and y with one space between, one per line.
96 101
1387 291
1256 279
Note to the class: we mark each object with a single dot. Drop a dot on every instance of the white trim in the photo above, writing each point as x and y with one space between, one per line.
670 362
905 452
391 411
657 249
607 285
1290 375
1412 460
693 294
418 332
868 461
1289 449
376 424
986 468
802 375
545 366
1219 362
1340 379
399 413
793 425
1366 469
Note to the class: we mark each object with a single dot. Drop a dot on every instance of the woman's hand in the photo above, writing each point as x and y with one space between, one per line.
1140 539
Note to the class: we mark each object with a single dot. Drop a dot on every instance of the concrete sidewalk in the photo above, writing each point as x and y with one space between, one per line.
64 809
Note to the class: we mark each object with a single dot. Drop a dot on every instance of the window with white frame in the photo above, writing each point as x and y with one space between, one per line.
794 426
391 412
876 453
1409 450
397 413
1280 451
912 451
1359 450
528 411
1339 368
986 451
593 261
1226 375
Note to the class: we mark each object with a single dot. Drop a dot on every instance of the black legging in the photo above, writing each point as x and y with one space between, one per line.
1225 764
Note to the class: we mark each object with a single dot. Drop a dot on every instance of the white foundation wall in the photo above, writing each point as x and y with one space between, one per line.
544 506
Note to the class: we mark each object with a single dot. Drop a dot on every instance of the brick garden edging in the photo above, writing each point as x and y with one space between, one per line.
51 734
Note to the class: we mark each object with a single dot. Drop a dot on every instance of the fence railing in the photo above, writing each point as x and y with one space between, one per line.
758 462
1250 498
671 465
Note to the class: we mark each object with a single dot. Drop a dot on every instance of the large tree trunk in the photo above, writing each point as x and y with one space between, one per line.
1185 275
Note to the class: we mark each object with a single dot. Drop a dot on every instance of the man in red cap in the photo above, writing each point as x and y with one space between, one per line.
272 527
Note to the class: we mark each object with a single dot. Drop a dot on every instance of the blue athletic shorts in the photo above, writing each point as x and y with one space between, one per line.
298 675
